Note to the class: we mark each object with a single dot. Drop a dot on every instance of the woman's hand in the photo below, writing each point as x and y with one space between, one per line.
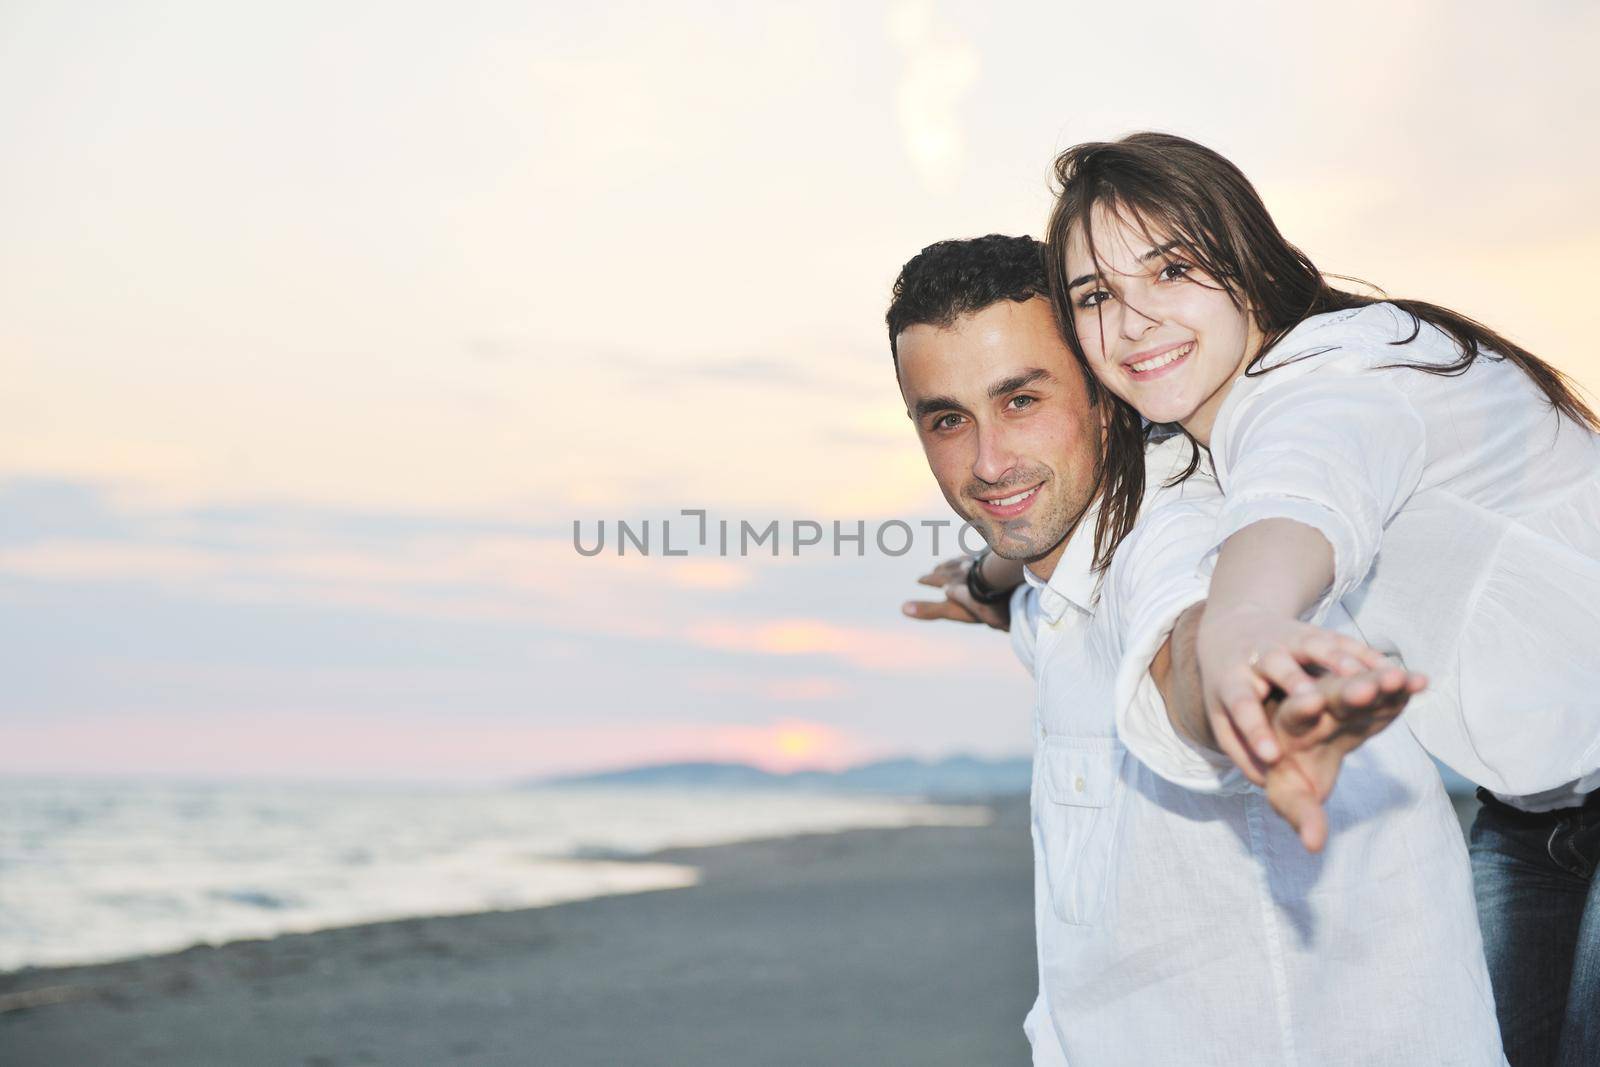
958 605
1246 652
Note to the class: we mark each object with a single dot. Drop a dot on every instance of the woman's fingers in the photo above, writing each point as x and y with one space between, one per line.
1323 648
1369 657
1233 746
1336 652
1242 702
1280 669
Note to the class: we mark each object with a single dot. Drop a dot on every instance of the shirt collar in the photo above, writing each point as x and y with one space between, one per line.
1074 581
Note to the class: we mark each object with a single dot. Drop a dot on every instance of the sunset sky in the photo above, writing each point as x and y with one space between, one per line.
321 324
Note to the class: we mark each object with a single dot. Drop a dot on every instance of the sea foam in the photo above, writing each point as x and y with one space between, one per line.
92 872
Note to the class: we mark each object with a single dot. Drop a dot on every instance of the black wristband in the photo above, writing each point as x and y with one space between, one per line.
980 590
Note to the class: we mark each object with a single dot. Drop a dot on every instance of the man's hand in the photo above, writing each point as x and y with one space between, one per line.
957 605
1317 728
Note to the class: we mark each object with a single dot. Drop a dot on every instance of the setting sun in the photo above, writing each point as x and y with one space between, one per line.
797 742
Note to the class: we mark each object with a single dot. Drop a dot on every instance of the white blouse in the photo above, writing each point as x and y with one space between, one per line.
1464 515
1190 927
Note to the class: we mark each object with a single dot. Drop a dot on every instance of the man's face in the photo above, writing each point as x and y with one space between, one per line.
1005 420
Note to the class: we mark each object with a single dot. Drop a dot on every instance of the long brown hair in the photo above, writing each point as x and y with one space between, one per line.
1190 195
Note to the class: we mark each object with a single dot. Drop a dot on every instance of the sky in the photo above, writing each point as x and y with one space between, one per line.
320 325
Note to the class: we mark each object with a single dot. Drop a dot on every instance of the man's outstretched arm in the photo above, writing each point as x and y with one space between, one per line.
1176 672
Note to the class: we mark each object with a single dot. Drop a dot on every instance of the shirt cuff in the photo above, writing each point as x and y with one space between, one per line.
1143 724
1339 532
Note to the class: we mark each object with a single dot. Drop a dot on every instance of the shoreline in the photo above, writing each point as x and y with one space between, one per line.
909 944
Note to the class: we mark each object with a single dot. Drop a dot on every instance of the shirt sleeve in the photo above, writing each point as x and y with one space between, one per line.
1024 624
1337 447
1152 581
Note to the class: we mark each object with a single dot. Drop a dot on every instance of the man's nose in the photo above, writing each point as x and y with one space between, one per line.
995 457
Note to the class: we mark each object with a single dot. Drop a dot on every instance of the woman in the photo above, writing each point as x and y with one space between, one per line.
1439 480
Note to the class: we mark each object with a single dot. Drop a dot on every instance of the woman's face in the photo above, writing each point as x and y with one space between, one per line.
1158 332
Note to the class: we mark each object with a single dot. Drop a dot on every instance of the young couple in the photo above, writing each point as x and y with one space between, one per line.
1234 488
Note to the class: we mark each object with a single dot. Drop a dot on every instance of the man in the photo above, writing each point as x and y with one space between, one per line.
1173 926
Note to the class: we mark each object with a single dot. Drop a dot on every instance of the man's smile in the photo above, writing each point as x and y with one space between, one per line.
1012 505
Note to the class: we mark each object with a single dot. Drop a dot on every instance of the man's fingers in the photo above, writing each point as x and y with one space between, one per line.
1292 797
937 609
1358 694
951 570
1314 828
1304 705
1300 714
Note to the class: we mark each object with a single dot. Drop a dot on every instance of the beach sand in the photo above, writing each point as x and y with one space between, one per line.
909 946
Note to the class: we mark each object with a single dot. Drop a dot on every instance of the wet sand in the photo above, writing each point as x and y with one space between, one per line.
875 947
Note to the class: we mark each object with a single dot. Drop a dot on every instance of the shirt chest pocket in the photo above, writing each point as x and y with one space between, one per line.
1078 811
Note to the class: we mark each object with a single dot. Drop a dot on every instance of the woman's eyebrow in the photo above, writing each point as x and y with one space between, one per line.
1158 251
1154 253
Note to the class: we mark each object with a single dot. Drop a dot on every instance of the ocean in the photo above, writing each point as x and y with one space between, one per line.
98 871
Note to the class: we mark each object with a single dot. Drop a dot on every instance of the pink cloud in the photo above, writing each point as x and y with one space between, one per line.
340 746
870 649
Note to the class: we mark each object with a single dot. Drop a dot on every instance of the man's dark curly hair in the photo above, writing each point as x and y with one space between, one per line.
950 279
954 278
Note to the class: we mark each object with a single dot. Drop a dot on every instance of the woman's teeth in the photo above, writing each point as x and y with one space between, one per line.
1162 360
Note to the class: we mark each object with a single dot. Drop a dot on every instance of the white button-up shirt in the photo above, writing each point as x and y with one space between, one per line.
1464 516
1183 927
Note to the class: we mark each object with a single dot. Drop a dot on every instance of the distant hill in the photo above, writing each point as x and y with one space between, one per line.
956 776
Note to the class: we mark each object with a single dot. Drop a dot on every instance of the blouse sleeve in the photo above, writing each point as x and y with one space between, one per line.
1152 581
1338 449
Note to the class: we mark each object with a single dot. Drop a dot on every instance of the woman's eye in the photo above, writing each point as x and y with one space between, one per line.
1174 271
1094 299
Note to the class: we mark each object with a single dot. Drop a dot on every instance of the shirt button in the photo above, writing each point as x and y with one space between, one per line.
1078 785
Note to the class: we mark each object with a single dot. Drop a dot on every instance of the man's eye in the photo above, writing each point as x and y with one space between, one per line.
1023 401
947 422
1174 271
1094 299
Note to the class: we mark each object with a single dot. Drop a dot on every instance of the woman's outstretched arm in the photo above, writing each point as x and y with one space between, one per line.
1313 466
1251 639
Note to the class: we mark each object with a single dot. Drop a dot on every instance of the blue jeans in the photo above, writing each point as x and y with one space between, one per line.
1539 905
